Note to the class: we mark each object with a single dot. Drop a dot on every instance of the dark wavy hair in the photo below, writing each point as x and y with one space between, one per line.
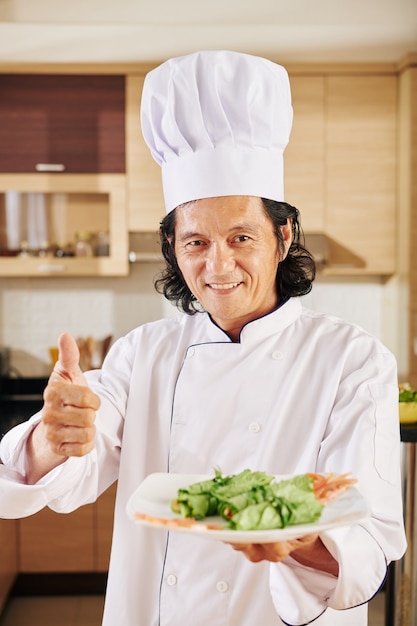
295 273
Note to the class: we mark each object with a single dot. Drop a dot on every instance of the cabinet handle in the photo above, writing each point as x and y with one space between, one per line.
52 268
50 167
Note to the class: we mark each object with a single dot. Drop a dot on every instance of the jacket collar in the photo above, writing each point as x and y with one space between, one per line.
265 326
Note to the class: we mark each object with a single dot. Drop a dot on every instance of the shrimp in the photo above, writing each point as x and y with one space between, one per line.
329 487
177 522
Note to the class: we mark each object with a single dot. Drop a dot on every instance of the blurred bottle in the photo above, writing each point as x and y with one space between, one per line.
101 244
64 250
83 245
24 249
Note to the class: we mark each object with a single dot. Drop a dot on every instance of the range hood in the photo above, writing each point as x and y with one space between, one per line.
327 252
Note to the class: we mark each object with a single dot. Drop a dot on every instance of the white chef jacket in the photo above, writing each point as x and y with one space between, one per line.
300 392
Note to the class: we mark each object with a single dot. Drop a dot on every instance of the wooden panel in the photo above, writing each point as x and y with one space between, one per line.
304 155
145 196
104 515
408 199
77 121
361 167
74 542
8 557
53 542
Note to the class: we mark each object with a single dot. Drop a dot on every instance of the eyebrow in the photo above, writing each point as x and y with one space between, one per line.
246 227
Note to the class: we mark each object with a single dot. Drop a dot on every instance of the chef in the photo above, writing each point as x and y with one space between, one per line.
244 377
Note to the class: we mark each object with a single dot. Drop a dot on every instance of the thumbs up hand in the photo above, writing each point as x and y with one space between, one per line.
68 415
67 368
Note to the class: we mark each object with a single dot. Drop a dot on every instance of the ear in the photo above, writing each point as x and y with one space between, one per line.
286 232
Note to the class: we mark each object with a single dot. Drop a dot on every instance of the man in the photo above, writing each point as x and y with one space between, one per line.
247 378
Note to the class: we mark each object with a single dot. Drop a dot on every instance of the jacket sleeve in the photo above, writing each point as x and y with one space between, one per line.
362 437
17 499
78 481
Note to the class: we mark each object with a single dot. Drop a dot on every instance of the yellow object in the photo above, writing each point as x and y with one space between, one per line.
53 353
408 412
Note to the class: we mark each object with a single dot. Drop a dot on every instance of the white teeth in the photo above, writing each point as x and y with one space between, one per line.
223 286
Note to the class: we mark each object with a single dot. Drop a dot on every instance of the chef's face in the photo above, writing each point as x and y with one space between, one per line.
228 254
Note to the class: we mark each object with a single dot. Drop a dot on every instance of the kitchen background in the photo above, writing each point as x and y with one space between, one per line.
350 169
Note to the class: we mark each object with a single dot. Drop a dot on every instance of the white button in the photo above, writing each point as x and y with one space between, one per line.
254 427
171 580
277 355
190 352
222 586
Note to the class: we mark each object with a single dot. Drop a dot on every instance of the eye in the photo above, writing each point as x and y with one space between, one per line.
194 243
241 238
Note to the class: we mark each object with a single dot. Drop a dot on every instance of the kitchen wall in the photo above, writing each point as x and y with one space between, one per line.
33 312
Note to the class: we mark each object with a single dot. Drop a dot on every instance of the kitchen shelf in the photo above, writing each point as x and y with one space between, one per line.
70 203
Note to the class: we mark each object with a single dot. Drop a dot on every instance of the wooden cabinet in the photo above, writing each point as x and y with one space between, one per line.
64 205
62 169
340 167
408 208
71 123
73 542
8 557
361 169
340 164
304 157
146 200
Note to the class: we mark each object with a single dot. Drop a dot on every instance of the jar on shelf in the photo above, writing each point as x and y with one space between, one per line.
65 250
101 244
83 245
24 249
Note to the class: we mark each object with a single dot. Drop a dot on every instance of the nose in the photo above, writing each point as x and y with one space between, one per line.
220 258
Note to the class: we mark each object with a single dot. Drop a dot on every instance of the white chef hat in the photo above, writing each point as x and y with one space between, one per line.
218 123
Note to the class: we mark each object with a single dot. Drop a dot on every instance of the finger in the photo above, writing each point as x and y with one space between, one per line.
70 434
67 449
69 416
256 552
239 547
67 367
60 397
303 541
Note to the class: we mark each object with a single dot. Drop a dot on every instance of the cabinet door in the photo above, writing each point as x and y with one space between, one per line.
53 542
361 167
145 196
62 205
77 122
304 165
75 542
8 557
104 516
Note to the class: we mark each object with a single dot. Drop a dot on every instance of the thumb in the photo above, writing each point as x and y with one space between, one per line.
67 367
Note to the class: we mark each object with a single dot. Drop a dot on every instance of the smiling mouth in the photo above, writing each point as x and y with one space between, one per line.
223 286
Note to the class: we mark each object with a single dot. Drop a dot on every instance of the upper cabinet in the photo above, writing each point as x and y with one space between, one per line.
62 123
146 200
63 191
76 137
304 157
340 167
361 169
